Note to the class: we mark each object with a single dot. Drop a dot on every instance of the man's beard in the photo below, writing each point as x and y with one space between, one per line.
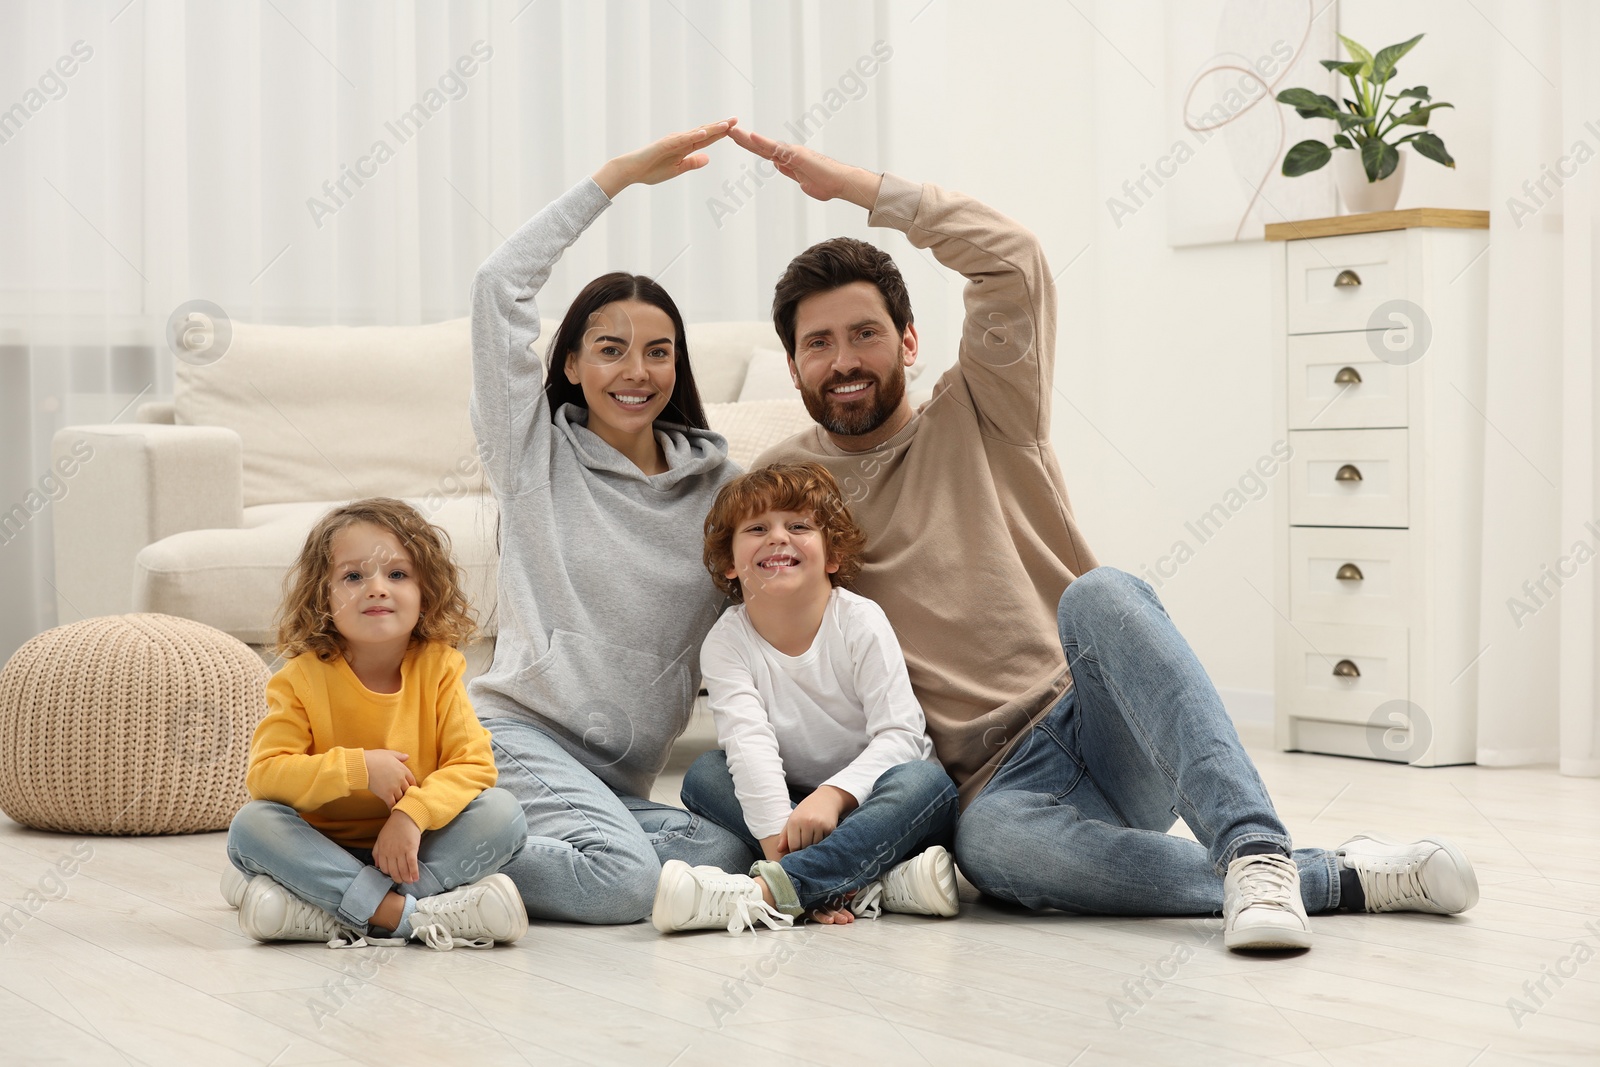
852 419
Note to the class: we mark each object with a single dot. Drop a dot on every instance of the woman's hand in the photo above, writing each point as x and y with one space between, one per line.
818 176
395 851
674 154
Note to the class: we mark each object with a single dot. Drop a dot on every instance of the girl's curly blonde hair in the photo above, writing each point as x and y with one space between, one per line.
305 618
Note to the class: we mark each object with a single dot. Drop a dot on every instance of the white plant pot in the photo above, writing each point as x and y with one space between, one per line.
1360 195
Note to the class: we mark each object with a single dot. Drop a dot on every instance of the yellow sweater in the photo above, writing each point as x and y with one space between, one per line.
310 750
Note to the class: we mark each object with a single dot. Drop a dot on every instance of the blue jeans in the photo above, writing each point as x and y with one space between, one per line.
1076 818
272 839
912 806
593 856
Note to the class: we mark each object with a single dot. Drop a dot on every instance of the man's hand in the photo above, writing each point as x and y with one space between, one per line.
672 155
815 817
395 851
819 177
388 777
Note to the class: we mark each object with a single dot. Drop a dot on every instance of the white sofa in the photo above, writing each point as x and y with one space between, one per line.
199 508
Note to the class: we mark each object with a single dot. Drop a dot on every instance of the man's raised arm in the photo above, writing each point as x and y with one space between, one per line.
1007 353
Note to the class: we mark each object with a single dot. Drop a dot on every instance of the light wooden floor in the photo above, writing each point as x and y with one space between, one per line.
140 962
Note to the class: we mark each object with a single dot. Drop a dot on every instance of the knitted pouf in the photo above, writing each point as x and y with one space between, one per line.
128 724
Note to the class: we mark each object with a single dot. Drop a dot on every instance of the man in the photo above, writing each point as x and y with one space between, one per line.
1069 779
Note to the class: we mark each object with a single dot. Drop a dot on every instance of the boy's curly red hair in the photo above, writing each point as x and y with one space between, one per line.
305 619
802 487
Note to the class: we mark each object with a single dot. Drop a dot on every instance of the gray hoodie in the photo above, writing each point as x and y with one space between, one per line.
603 599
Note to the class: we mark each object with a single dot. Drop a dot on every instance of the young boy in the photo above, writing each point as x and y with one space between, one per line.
826 768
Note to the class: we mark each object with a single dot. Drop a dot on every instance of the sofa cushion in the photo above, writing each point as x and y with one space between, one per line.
753 426
333 412
233 579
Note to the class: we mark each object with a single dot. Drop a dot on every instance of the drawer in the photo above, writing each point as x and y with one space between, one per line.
1317 303
1348 478
1341 674
1349 575
1338 381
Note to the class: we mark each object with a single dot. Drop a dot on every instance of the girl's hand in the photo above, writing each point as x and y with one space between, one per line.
815 817
388 777
833 916
395 851
674 154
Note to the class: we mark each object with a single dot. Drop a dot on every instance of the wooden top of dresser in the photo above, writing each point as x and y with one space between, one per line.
1374 221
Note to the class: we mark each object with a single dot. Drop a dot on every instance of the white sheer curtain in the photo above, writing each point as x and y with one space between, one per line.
1536 673
231 152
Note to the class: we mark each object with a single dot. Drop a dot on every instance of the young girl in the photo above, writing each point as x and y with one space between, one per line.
826 767
603 468
371 775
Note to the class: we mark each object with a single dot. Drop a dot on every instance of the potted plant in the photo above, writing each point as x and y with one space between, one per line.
1370 173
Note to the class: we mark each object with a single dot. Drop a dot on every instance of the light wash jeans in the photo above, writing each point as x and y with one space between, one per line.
593 856
912 806
1076 817
272 839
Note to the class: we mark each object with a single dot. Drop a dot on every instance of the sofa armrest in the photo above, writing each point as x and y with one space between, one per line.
131 485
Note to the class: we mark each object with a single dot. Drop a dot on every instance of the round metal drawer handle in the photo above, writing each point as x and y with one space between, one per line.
1347 279
1348 473
1349 573
1347 376
1345 669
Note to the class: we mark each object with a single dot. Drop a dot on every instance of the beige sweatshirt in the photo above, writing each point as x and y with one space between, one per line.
971 540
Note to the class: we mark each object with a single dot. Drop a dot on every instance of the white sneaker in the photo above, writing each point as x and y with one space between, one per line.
269 912
1261 905
234 882
705 898
479 915
925 884
1429 875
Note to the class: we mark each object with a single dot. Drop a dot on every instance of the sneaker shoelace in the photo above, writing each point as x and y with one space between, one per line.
742 903
868 904
1268 881
1392 886
442 924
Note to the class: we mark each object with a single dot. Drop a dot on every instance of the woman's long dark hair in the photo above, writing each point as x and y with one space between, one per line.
683 406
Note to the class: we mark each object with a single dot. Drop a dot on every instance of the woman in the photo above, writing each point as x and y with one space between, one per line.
603 599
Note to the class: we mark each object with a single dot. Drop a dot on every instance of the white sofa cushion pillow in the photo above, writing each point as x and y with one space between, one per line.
340 412
754 426
768 377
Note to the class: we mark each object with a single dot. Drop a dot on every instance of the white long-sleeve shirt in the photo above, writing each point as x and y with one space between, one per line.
841 713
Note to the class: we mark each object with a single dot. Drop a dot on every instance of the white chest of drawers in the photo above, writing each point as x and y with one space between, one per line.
1379 324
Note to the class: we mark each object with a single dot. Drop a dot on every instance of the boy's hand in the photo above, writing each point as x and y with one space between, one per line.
815 817
395 851
819 176
772 847
388 777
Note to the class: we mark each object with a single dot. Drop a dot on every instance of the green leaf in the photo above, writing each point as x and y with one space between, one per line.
1308 104
1351 122
1384 62
1418 115
1347 69
1379 160
1342 141
1359 54
1429 145
1420 93
1306 157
